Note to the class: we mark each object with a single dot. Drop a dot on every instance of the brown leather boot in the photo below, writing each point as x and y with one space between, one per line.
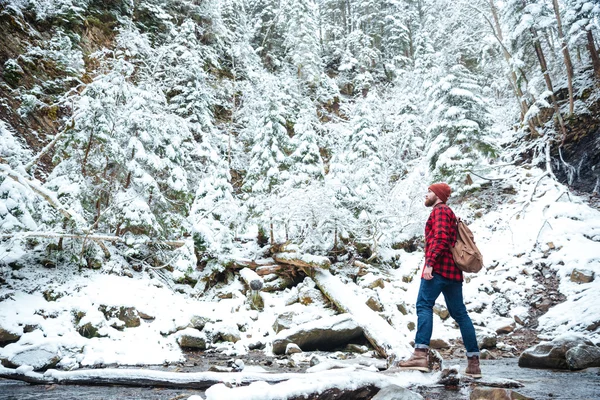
419 361
473 369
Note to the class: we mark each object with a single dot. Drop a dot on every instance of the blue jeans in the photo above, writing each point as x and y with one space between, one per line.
428 294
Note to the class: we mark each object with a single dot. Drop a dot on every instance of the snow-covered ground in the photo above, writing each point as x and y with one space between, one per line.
523 226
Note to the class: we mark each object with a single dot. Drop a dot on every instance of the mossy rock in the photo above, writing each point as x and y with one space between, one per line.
88 331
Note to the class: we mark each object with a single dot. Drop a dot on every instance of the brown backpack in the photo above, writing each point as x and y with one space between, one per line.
467 256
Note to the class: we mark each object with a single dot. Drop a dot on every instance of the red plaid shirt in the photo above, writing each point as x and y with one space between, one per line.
440 235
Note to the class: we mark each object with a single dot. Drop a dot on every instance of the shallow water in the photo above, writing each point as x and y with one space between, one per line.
538 384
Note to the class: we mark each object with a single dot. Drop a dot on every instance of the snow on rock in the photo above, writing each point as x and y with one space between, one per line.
324 333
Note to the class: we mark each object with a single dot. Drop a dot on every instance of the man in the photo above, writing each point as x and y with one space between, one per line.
441 275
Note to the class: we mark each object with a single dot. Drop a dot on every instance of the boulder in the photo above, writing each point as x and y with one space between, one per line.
7 336
394 392
89 330
486 339
583 356
191 338
582 276
496 394
325 333
308 293
128 315
37 358
224 331
551 355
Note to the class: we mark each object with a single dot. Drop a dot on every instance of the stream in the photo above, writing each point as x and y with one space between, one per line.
538 384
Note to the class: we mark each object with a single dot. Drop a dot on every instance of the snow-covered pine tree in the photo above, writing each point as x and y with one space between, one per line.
459 127
356 174
306 163
302 41
269 147
127 162
191 93
269 31
582 17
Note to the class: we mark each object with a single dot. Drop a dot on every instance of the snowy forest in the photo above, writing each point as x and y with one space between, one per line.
175 142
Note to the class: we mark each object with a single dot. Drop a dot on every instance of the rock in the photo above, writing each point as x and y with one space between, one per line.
88 330
377 283
236 365
486 339
309 294
198 322
486 355
394 392
292 348
38 358
411 326
503 330
222 331
374 304
7 337
441 311
220 368
582 276
146 316
128 315
402 308
496 394
449 377
284 321
583 356
356 348
439 344
191 338
551 355
257 345
545 305
325 333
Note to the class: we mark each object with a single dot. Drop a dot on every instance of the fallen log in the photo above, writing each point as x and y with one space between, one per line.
143 377
303 260
378 332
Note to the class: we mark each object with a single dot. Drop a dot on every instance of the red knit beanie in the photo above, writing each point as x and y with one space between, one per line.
441 190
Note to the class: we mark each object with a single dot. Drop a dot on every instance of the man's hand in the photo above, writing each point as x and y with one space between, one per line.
428 273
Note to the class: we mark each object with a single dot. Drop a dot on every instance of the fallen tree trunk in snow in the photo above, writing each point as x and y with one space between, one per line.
303 260
142 377
182 380
382 336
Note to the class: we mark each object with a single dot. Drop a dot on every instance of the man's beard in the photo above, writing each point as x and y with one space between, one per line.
429 202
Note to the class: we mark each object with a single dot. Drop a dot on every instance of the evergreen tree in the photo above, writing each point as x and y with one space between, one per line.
306 163
459 125
301 40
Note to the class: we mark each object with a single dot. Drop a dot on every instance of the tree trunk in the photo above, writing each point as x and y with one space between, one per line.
378 332
593 53
497 29
302 260
566 56
542 60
